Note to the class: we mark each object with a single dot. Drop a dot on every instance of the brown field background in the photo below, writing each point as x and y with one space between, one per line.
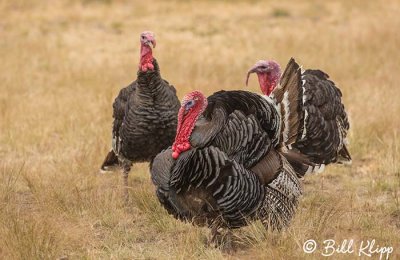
63 62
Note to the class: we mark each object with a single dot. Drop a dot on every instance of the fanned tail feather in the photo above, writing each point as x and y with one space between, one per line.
309 104
289 97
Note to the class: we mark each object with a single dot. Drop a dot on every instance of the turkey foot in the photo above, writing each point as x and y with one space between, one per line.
222 239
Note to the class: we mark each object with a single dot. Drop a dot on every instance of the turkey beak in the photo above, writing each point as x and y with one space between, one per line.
252 70
152 43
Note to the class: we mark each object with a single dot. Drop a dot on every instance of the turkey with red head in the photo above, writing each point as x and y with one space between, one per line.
145 114
314 121
223 168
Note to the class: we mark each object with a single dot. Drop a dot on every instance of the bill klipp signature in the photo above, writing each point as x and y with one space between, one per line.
365 248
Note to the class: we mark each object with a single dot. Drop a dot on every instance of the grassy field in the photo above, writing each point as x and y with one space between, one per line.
63 62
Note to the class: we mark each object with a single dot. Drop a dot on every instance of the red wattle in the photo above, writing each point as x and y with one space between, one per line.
181 147
175 155
146 59
186 146
186 122
270 89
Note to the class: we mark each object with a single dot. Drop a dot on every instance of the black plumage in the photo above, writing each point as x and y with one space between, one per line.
319 130
249 104
149 123
233 173
145 120
326 125
247 151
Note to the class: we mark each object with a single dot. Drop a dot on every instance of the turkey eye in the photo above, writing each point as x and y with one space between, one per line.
189 104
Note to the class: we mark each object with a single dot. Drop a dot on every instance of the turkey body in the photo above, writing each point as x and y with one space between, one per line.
233 173
326 124
247 153
145 119
320 125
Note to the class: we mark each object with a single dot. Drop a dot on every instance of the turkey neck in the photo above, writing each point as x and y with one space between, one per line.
186 123
267 84
146 56
149 82
185 127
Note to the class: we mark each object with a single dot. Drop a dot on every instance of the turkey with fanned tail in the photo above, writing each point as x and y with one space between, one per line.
224 168
145 114
315 124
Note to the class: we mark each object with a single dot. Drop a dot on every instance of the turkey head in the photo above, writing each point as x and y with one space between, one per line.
147 42
268 72
192 106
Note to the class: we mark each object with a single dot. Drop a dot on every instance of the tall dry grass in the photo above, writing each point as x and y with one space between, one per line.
63 62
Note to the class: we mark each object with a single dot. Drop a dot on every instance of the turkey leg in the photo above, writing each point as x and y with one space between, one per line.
125 174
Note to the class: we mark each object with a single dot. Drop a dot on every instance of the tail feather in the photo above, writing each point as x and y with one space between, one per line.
281 199
344 156
289 97
301 163
110 162
306 102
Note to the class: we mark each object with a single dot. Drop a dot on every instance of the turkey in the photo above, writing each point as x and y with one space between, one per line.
145 114
224 167
317 123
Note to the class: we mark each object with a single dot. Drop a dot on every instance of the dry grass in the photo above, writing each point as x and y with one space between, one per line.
62 63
